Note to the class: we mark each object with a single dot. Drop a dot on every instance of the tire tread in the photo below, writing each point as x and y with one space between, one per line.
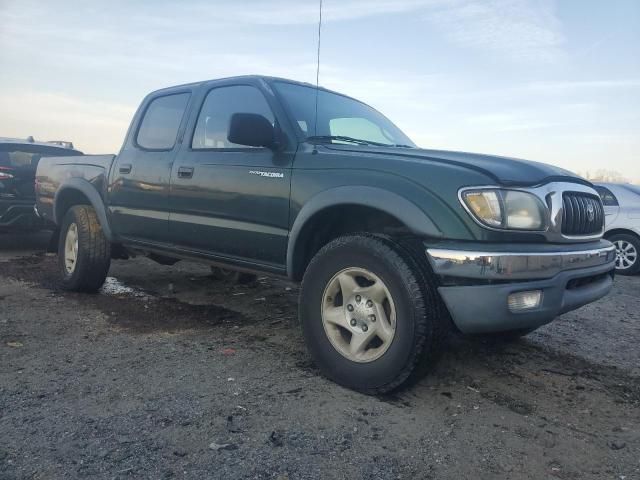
94 247
428 323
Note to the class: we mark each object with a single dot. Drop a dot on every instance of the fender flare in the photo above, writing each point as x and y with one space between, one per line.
88 190
393 204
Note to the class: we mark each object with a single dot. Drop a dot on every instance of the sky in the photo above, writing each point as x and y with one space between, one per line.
556 81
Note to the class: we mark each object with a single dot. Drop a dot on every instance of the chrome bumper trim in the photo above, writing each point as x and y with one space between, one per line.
514 266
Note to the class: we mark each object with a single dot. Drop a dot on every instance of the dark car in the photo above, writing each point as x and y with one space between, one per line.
392 244
18 163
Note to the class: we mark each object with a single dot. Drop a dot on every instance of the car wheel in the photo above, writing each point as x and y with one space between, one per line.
84 253
233 277
627 251
367 313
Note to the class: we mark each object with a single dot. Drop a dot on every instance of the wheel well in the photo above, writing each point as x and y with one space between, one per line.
333 222
67 199
621 231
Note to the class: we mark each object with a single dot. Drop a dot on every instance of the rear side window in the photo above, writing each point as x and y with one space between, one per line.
221 103
18 159
607 196
159 127
27 157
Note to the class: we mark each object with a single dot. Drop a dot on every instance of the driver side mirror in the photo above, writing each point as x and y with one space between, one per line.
251 129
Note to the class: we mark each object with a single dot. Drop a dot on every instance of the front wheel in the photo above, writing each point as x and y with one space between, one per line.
368 315
627 251
84 253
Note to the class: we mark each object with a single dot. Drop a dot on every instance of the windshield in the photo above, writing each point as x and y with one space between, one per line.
340 119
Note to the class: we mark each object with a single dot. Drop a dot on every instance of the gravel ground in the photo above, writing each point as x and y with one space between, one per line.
171 374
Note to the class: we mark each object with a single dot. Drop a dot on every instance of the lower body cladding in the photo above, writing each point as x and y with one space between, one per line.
519 287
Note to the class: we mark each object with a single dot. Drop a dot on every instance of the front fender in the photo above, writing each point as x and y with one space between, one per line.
395 205
80 185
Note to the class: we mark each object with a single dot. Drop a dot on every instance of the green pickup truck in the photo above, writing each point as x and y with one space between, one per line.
394 245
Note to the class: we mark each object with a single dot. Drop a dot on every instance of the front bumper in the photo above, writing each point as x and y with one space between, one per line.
476 283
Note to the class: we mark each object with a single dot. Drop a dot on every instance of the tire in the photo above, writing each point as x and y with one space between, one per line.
87 272
627 261
233 277
383 366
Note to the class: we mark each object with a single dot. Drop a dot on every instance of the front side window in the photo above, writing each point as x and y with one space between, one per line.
159 127
212 128
607 196
340 119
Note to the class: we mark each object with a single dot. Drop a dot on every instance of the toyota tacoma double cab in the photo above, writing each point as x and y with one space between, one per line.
393 245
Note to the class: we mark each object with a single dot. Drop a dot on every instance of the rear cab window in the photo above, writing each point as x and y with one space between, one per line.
159 127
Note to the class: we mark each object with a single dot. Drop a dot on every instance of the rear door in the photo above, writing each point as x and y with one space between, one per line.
139 180
229 200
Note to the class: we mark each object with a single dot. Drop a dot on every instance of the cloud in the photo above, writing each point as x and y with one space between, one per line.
520 30
567 115
603 84
97 126
295 12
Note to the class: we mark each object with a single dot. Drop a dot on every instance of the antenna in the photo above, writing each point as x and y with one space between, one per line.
315 122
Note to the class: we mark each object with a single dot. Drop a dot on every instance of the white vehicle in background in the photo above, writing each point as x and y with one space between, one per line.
622 223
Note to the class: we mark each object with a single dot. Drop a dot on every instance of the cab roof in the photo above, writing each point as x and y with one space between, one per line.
265 78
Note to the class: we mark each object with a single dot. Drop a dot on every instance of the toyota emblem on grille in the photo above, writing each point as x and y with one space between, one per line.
591 213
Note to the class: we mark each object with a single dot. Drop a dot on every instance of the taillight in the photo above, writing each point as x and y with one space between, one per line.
5 175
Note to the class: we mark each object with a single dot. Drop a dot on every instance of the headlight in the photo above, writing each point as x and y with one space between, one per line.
505 209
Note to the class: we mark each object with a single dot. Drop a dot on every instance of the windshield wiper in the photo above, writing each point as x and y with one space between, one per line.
357 141
344 138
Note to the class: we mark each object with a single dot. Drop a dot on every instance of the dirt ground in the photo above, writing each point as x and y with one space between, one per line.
171 374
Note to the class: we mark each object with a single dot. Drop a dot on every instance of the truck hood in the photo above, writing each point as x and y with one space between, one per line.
503 170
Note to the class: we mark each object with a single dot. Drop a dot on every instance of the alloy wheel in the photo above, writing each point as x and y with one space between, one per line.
71 248
358 315
626 254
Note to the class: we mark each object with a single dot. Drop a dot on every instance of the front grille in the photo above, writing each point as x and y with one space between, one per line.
582 214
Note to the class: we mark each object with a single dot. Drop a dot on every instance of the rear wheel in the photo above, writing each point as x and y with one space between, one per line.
84 253
627 252
367 316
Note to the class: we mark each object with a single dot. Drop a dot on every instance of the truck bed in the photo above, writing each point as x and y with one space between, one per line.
53 171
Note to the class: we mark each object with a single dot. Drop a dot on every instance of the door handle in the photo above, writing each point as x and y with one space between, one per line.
125 168
185 172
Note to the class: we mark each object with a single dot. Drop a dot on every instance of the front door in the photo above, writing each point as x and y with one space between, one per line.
227 200
139 185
